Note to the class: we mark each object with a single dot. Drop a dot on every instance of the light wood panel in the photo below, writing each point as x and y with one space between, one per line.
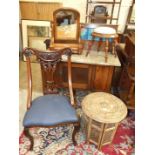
45 10
38 10
28 10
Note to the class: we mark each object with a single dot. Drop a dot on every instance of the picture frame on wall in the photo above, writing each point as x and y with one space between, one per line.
34 33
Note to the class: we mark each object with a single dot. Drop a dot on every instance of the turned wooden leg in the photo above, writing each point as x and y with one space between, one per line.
99 44
106 50
76 129
28 135
104 46
115 43
90 43
110 50
80 49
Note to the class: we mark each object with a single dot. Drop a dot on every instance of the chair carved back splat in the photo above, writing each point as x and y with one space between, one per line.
49 62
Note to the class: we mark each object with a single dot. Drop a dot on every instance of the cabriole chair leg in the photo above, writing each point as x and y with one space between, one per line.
29 136
76 129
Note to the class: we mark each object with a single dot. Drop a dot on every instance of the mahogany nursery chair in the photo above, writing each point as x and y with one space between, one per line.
51 109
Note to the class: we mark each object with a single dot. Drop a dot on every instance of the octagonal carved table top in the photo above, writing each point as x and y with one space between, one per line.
104 107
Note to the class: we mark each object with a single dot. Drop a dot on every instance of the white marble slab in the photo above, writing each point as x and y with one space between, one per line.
94 58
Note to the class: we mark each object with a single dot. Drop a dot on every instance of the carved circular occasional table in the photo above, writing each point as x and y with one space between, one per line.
103 112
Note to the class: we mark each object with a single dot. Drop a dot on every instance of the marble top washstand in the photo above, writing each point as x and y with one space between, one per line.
94 58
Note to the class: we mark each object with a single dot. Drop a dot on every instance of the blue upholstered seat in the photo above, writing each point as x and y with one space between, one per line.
50 110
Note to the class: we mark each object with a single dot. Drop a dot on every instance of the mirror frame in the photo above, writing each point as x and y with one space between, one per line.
54 28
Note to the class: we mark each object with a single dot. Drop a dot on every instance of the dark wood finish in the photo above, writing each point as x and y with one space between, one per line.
30 137
90 77
99 14
49 62
102 78
91 18
107 43
49 43
100 42
61 38
126 86
80 75
76 129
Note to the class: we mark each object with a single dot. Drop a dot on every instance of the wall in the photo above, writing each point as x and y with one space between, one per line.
80 5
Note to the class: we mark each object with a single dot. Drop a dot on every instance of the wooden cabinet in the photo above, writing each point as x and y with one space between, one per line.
85 76
38 10
103 78
113 10
126 86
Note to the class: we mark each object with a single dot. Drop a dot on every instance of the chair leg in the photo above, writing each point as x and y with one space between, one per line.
76 129
29 136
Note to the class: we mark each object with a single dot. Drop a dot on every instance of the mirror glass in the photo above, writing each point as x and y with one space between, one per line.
66 25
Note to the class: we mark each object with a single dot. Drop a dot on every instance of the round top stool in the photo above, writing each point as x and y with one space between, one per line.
107 35
105 30
103 111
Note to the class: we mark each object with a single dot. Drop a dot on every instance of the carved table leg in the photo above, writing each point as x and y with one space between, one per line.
28 135
76 129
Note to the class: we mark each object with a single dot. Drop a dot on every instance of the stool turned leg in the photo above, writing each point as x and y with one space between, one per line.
80 50
28 135
90 43
114 47
99 44
81 47
76 129
110 50
106 50
104 46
